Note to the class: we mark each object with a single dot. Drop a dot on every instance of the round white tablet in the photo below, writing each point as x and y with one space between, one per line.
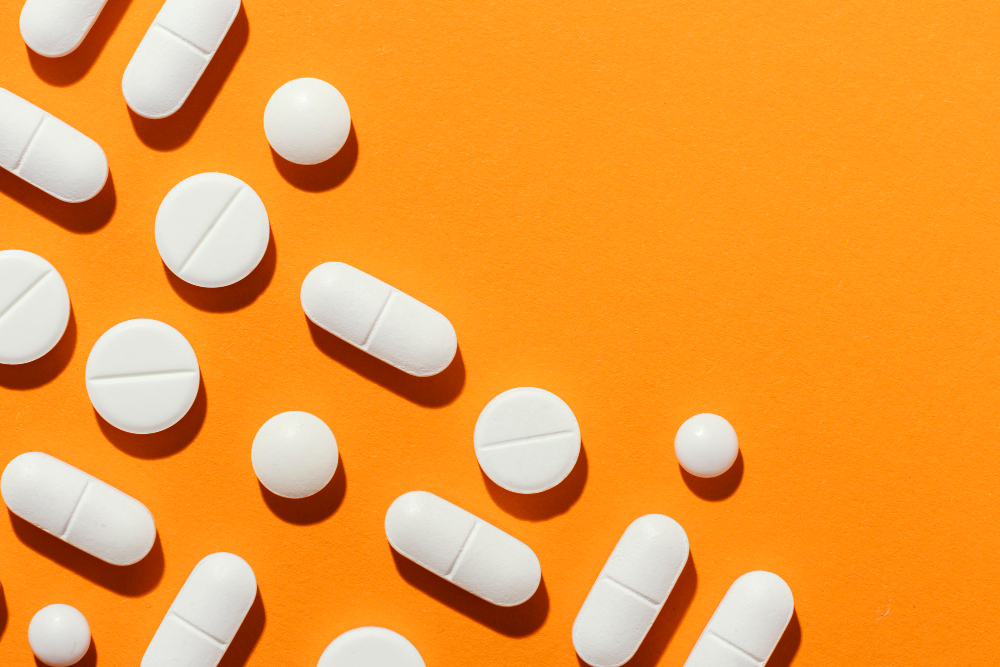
527 440
706 445
294 454
212 230
34 307
142 376
59 635
307 121
370 647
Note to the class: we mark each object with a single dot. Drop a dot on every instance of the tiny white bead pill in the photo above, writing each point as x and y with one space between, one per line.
747 624
307 121
211 230
59 635
371 647
56 28
462 548
630 591
294 454
48 153
78 508
379 319
142 376
527 440
206 614
706 445
174 53
34 307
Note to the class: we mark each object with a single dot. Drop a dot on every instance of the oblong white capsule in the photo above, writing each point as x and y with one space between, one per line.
54 28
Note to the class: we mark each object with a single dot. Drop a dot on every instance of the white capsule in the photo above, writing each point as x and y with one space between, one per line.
630 591
34 307
706 445
379 319
59 635
462 548
307 121
294 454
56 28
174 53
78 508
48 153
371 647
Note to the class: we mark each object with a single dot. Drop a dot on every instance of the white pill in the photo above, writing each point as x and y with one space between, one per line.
307 121
747 624
212 230
142 376
378 319
630 591
173 54
294 454
59 635
370 647
55 28
78 508
205 615
462 548
706 445
48 153
34 307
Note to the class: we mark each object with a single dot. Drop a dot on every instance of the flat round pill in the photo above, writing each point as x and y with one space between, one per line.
55 28
142 376
34 307
59 635
294 454
212 230
307 121
527 440
706 445
370 647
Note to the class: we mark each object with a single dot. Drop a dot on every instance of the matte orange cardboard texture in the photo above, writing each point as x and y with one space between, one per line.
781 212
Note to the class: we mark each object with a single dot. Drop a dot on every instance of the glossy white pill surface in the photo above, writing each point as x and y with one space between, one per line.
56 28
212 230
462 548
205 615
174 53
370 647
379 319
34 307
59 635
294 454
307 121
142 376
706 445
48 153
630 591
747 624
78 508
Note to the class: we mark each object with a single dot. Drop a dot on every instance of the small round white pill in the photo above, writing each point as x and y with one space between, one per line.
307 121
34 307
142 376
59 635
527 440
212 230
706 445
370 647
294 454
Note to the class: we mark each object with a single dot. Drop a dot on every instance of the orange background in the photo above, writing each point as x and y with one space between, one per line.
781 212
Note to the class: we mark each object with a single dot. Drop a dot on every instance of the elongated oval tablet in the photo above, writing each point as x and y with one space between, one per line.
205 615
379 319
174 53
370 647
462 548
630 591
56 28
34 307
142 376
48 153
747 624
78 508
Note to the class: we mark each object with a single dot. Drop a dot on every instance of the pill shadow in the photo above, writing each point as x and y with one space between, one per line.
89 658
81 218
788 646
167 134
3 612
241 648
315 508
45 369
435 391
716 488
669 619
325 175
544 505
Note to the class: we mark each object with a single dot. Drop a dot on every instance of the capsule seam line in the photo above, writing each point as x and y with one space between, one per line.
188 624
462 550
634 592
76 509
31 141
722 640
183 39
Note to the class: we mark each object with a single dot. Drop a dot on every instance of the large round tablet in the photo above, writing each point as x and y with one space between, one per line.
706 445
34 307
307 121
142 376
59 635
294 454
527 440
370 647
212 230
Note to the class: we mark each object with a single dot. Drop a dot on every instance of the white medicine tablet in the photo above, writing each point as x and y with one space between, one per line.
59 635
370 647
527 440
307 121
56 28
212 230
34 307
294 454
706 445
142 376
